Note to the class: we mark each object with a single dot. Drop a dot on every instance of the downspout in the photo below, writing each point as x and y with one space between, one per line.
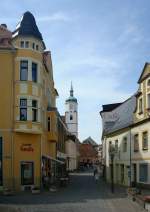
130 159
12 117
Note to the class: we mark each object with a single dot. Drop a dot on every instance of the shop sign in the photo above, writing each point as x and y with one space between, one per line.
26 148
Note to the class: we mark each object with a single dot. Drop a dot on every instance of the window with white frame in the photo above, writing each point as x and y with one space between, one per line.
148 101
148 82
125 144
145 140
140 105
24 70
22 44
116 145
26 44
136 142
34 111
33 45
34 72
23 109
37 47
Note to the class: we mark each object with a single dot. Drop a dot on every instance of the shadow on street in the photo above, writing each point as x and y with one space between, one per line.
82 188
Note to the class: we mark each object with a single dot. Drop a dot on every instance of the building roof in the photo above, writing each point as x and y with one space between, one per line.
145 72
87 150
123 114
89 140
5 37
27 27
110 107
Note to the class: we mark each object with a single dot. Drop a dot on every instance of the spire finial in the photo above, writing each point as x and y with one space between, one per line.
71 90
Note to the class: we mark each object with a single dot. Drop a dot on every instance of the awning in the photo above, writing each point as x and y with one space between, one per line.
51 158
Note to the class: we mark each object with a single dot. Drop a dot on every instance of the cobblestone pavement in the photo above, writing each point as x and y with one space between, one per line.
82 194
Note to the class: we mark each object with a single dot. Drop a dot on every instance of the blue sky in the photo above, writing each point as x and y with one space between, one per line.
100 45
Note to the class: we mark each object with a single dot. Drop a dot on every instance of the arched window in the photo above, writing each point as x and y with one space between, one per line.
71 117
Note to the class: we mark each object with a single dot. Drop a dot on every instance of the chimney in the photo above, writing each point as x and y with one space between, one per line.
4 26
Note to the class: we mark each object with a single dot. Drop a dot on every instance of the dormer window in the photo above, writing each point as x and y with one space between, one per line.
22 44
33 45
148 82
148 101
140 106
27 44
37 47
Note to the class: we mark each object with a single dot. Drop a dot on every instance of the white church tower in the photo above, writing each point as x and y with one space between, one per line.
71 114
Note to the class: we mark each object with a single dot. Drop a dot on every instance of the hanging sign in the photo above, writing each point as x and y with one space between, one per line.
26 148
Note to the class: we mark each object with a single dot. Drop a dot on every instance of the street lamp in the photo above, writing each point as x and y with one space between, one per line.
112 152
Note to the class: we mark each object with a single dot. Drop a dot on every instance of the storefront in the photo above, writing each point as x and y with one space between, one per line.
61 167
27 173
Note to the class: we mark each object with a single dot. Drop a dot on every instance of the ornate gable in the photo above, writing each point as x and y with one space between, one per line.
145 73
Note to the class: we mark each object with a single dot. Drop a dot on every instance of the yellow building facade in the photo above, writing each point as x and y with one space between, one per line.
28 115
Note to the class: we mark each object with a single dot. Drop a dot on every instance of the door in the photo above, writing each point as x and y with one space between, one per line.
27 173
122 174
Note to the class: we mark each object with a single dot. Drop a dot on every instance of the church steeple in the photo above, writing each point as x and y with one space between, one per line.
71 90
71 97
71 114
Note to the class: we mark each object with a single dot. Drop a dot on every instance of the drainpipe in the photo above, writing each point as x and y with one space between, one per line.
130 158
13 118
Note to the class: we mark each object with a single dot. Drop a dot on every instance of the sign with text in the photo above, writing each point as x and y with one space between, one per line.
26 148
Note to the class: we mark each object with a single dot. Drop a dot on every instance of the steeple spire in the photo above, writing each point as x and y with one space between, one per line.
71 90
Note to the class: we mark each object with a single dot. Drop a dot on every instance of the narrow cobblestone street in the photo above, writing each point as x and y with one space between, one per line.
82 194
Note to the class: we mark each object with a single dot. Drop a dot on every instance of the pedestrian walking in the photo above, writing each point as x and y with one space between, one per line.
96 177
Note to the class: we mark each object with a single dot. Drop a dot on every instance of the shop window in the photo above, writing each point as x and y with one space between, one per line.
27 44
125 144
49 124
23 70
34 72
34 110
145 140
143 172
23 109
27 173
1 162
136 143
140 106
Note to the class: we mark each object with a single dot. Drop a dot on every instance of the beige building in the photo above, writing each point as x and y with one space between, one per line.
72 152
126 131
